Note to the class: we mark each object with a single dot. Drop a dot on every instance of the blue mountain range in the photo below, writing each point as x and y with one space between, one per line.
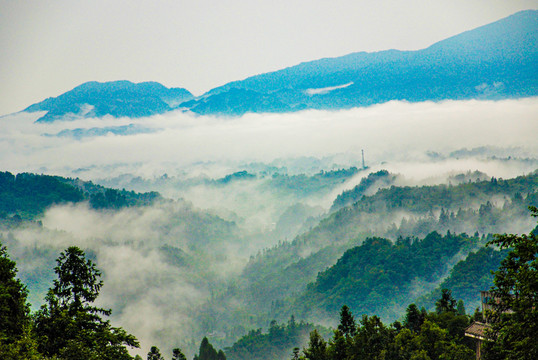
495 61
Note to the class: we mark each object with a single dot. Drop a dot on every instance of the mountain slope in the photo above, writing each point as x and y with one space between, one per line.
116 98
494 61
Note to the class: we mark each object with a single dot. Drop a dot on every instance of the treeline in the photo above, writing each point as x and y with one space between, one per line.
422 335
25 195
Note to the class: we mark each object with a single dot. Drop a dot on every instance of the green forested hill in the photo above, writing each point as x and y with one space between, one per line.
468 277
26 195
278 275
378 276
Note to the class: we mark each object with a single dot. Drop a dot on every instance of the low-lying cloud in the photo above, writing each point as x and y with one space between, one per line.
395 131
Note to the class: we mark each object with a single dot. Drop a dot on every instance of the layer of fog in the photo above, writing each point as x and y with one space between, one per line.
412 139
395 131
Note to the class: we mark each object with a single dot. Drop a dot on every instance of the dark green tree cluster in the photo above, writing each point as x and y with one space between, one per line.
29 194
423 335
26 195
276 343
68 326
155 354
208 352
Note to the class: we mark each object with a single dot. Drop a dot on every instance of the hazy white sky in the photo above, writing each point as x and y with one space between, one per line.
49 47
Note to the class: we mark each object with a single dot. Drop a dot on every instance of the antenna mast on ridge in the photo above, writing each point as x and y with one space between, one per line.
363 164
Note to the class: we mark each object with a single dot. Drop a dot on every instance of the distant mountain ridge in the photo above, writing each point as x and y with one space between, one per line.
115 98
495 61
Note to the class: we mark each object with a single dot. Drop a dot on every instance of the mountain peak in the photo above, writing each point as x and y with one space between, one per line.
115 98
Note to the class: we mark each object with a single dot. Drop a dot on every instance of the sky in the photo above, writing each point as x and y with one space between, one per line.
49 47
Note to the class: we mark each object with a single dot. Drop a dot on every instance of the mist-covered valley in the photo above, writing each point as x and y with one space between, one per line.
253 209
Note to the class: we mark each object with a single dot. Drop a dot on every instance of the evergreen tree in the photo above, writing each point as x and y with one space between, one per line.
514 317
68 325
460 307
413 318
208 352
347 324
17 340
317 347
14 310
177 354
154 354
446 302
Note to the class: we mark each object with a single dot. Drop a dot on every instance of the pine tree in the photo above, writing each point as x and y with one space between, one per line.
14 310
177 354
68 325
17 340
413 318
347 325
154 354
317 347
446 302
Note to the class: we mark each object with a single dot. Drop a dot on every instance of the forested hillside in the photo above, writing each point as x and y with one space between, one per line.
481 207
29 195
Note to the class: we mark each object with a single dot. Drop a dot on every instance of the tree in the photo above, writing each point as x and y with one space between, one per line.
177 354
347 325
371 339
208 352
514 316
154 354
68 325
413 318
446 303
460 307
17 340
317 347
14 310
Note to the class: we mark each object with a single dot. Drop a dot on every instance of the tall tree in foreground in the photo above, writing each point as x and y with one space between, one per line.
514 317
68 325
16 338
14 311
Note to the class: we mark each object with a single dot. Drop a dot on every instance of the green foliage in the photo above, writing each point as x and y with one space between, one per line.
30 194
26 196
16 340
414 318
468 277
69 326
446 303
208 352
317 347
154 354
177 354
437 337
347 324
377 275
514 317
14 311
378 179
